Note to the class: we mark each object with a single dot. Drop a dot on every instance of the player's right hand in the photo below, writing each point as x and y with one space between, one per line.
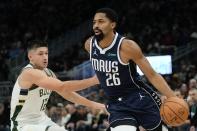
163 98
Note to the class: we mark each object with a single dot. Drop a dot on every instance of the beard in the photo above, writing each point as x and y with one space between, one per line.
100 36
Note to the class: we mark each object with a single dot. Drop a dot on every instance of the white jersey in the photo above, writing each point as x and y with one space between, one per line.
28 105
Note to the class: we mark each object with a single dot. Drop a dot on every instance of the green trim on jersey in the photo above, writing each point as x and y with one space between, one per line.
34 86
21 101
47 128
49 73
52 73
22 98
16 112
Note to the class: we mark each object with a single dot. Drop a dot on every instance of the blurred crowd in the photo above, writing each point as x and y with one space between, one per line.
160 27
76 117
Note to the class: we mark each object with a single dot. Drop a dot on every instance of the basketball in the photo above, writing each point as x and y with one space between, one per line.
174 111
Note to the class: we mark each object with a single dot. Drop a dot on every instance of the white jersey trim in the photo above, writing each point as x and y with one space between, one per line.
102 51
118 52
91 48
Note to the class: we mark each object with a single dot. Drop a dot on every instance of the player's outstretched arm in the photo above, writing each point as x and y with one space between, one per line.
76 85
76 98
134 53
38 77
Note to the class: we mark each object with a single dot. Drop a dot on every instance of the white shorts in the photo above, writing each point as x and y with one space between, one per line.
41 126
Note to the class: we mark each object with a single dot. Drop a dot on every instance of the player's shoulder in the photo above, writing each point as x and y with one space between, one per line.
89 38
128 44
28 75
87 43
31 72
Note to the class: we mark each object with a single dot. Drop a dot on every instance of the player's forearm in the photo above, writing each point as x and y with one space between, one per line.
76 85
76 98
160 84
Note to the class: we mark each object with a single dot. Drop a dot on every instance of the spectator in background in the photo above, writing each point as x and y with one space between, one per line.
184 90
55 113
193 109
178 93
52 113
84 119
70 125
192 83
59 110
65 116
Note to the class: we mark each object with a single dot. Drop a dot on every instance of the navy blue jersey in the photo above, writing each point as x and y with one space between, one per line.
130 100
116 77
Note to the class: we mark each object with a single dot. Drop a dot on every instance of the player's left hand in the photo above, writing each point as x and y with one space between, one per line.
105 111
101 107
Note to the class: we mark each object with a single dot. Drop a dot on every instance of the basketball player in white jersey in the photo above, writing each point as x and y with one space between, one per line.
33 88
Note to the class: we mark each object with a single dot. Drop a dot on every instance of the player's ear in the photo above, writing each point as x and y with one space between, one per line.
29 55
113 25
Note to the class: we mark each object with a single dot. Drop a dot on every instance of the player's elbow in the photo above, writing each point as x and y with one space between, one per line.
64 87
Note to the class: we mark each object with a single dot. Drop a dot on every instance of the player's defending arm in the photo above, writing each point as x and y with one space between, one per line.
76 98
38 77
133 52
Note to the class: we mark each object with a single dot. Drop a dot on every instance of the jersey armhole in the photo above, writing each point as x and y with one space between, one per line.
118 52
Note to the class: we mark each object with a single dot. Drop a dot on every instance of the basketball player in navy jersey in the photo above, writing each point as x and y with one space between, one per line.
131 102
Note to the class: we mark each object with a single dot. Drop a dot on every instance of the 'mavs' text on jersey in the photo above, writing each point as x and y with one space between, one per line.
105 65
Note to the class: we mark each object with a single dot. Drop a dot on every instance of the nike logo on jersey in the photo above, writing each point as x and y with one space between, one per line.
95 53
141 96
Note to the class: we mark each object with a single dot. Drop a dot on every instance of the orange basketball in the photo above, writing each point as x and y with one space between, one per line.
174 111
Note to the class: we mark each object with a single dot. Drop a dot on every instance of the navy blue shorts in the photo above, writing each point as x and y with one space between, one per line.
139 107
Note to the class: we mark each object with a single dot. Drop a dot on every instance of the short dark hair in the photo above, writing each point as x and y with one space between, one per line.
36 44
111 14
